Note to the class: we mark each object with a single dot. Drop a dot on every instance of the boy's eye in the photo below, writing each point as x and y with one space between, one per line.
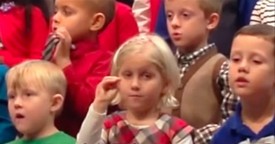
235 59
55 11
184 14
257 61
11 96
67 11
169 15
28 93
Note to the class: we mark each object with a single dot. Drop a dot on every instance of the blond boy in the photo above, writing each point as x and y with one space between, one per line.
36 91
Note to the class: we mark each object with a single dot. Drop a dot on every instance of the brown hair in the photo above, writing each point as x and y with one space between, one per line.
264 31
107 7
210 6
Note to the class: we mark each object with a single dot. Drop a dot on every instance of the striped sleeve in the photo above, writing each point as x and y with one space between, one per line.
264 13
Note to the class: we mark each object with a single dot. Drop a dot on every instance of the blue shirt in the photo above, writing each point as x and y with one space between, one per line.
235 132
7 130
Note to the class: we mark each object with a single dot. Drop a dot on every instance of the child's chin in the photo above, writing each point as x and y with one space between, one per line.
22 130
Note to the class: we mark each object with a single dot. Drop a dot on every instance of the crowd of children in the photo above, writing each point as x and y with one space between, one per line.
93 71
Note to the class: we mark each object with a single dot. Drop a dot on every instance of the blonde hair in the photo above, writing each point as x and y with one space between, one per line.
39 73
161 55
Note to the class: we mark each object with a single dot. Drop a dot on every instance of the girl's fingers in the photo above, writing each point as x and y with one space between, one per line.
110 82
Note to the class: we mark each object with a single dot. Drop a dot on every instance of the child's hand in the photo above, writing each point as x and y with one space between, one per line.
106 91
62 53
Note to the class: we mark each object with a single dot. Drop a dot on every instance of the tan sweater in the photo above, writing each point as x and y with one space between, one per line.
199 96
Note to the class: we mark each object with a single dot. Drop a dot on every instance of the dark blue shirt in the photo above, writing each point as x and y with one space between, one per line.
235 132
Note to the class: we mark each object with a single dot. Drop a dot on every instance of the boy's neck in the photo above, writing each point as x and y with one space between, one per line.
46 131
192 48
90 37
142 117
259 113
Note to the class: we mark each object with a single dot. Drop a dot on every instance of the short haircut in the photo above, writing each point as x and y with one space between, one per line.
107 7
42 74
160 54
263 31
210 6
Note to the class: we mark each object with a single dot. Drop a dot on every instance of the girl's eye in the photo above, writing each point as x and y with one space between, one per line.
147 75
127 74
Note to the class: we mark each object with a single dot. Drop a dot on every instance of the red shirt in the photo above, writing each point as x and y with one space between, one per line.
122 27
17 45
89 66
154 11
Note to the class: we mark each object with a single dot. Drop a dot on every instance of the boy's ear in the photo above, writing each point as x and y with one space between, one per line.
213 21
57 103
97 22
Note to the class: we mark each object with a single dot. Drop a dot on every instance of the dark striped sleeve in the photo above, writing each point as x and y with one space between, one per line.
264 13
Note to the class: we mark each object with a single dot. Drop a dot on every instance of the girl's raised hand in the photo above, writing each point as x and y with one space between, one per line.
106 92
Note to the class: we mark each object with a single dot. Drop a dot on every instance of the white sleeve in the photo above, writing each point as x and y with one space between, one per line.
186 140
141 11
91 130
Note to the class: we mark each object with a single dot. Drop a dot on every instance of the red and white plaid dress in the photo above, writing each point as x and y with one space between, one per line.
165 130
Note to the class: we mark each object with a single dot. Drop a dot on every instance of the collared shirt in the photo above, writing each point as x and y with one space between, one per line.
204 134
185 61
235 131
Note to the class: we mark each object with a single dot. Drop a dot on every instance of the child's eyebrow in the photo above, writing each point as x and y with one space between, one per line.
258 55
186 10
235 52
66 7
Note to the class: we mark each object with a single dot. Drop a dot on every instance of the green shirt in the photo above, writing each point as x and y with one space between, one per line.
57 138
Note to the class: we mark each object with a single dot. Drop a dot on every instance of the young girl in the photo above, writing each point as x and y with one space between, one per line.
23 30
144 77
